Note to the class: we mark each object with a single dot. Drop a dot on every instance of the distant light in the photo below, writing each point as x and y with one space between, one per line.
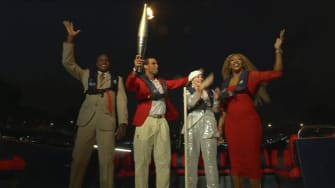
71 121
52 124
116 149
123 150
269 125
301 124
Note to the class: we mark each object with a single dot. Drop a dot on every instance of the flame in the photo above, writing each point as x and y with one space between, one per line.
150 13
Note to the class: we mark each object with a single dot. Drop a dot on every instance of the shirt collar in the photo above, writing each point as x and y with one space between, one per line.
104 73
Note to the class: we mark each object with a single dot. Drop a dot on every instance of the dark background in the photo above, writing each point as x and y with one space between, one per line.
184 35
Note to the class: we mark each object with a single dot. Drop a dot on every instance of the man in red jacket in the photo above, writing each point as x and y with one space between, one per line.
153 111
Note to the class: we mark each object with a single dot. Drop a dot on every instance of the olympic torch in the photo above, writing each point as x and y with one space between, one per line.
142 35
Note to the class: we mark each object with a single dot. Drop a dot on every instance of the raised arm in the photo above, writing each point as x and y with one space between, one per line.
278 51
68 57
131 79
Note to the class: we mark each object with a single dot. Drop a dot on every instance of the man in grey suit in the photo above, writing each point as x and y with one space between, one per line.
104 106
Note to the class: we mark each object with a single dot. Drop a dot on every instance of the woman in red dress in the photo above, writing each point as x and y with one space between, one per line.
243 86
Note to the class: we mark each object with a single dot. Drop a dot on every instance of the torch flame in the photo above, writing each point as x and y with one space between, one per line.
150 13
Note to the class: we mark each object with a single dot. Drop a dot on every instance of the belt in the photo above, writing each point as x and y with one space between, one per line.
157 115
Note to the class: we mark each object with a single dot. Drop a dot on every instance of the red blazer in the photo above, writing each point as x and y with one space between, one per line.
137 85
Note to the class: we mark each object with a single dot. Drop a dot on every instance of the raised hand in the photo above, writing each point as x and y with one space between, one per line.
138 61
278 51
71 32
279 40
207 81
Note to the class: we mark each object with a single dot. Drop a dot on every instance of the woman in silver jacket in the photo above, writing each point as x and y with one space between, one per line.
201 129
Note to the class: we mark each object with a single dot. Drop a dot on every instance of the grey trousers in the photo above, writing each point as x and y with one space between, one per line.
208 148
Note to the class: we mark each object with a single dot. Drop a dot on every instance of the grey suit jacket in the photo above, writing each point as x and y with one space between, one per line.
96 104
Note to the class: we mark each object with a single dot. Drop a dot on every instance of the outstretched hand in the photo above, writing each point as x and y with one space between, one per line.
71 32
280 39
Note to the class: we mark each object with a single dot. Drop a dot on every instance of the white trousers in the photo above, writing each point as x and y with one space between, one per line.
154 136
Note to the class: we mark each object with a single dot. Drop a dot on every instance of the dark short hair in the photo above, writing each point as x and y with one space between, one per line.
102 54
146 60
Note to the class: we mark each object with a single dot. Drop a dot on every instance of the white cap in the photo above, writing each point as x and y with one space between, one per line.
194 74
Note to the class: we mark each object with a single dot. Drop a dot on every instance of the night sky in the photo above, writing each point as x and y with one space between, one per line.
183 36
